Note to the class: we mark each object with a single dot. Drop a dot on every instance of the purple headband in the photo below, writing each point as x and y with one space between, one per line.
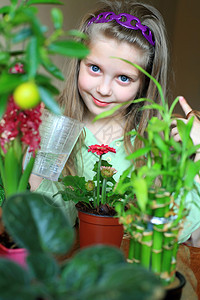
103 18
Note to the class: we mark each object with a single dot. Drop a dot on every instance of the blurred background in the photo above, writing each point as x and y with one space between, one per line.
183 24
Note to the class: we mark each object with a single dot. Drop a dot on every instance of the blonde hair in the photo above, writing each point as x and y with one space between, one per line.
155 61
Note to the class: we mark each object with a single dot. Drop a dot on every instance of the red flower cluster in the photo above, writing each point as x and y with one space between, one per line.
17 68
101 149
22 123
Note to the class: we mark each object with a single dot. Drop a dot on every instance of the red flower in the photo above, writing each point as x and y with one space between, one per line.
22 123
101 149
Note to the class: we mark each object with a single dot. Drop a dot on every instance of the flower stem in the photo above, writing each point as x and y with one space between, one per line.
98 181
103 194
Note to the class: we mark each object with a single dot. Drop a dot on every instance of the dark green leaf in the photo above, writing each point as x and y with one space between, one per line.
57 17
49 101
32 57
45 223
8 82
87 267
4 57
5 10
127 282
46 270
53 70
22 35
69 48
20 288
4 99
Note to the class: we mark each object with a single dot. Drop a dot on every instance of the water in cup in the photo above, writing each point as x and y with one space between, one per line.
58 137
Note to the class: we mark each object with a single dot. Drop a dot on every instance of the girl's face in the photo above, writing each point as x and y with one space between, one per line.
104 81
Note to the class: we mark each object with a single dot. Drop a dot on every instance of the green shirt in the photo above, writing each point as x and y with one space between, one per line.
118 161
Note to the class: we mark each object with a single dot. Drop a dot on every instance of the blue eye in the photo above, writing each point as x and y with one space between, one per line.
95 68
124 78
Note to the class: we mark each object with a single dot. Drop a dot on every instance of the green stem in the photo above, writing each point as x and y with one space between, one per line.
103 194
98 182
146 244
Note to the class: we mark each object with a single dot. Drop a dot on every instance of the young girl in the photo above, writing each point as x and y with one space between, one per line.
133 31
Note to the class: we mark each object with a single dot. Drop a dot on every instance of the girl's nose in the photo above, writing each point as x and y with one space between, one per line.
104 87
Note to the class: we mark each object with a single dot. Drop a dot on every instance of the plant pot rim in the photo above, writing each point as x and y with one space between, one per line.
8 250
182 282
96 215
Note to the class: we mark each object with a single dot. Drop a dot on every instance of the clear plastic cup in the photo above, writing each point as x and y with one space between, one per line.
58 137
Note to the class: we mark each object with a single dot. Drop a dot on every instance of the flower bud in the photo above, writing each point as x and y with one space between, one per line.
107 172
90 185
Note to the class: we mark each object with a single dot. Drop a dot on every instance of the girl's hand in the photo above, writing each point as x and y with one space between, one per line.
195 132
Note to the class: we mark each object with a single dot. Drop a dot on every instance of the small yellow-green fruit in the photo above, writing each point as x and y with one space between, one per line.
26 95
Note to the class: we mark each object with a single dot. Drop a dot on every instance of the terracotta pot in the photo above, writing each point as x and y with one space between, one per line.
16 255
95 229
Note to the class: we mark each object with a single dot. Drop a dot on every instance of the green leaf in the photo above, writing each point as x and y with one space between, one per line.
141 191
47 268
77 33
53 70
12 172
4 100
25 176
87 267
22 35
115 108
49 101
32 57
160 143
20 288
69 48
8 82
184 132
4 57
139 153
57 17
45 223
31 2
5 9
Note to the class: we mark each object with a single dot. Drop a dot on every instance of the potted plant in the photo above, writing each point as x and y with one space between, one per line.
99 272
96 201
156 186
23 86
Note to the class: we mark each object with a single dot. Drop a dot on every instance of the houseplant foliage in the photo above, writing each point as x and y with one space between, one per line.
156 184
26 40
26 51
94 195
99 272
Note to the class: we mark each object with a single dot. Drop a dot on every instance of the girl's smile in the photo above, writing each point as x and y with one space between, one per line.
100 103
104 80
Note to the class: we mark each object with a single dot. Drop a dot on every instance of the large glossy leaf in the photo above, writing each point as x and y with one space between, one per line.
87 267
15 282
43 267
102 273
130 282
37 224
69 48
